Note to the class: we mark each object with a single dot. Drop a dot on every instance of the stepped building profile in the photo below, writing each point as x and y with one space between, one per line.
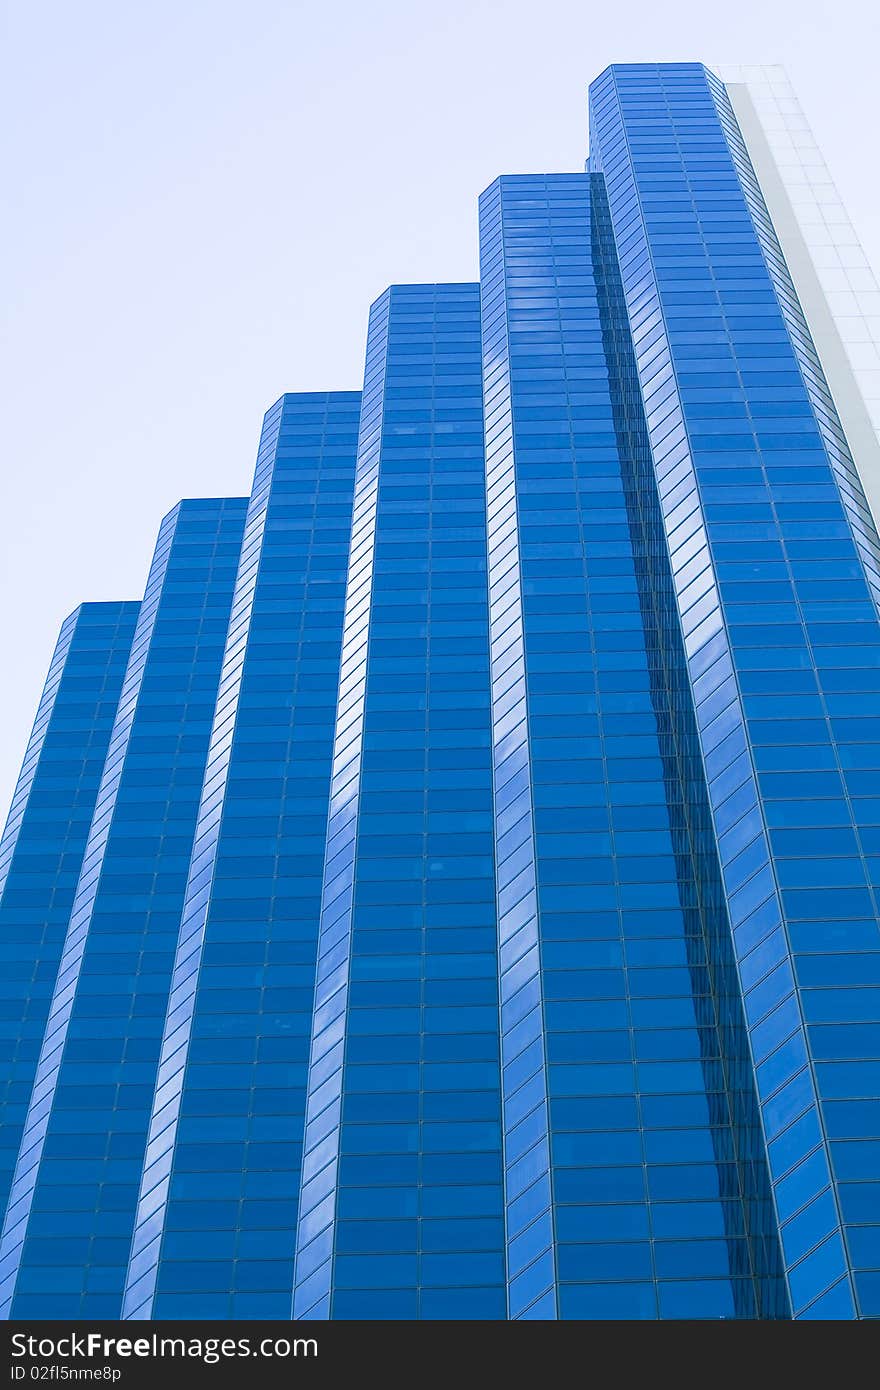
452 891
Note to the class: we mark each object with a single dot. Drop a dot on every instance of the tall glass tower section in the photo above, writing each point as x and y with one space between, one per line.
452 892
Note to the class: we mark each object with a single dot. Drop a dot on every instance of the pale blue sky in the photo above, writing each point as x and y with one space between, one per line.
206 195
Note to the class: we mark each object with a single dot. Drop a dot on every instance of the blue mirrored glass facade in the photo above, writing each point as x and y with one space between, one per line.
402 1203
453 891
68 1223
46 832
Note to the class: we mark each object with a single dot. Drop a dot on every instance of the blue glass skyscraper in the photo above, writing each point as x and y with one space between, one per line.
453 891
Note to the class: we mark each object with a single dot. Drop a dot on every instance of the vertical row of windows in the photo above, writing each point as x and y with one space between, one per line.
842 463
784 650
82 1206
152 1202
316 1224
45 837
648 1201
691 831
531 1254
230 1217
419 1229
